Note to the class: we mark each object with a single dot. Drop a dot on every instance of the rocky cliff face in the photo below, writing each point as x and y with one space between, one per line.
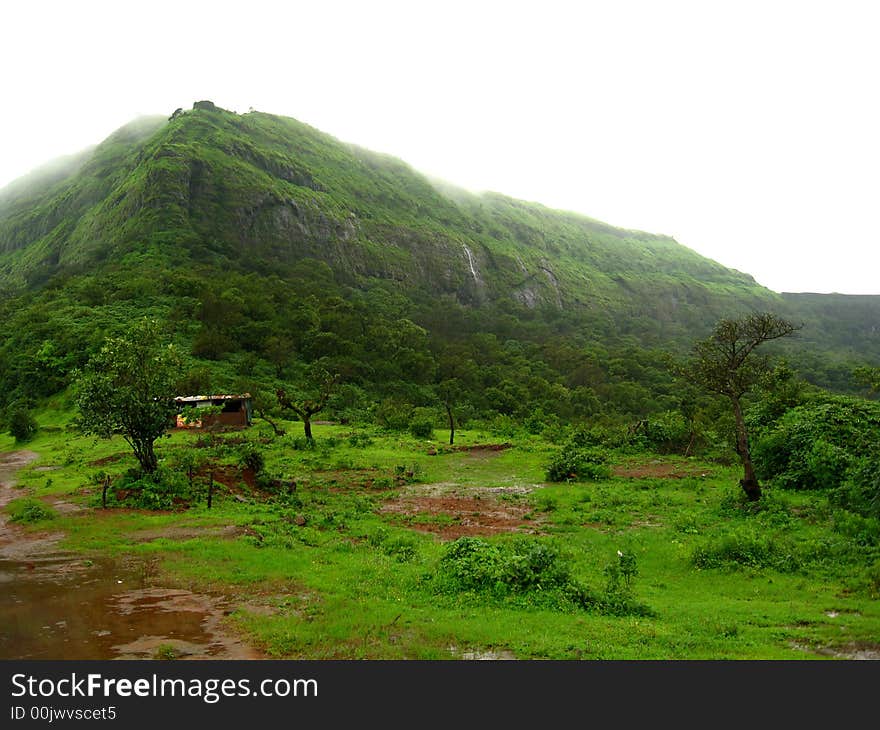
261 191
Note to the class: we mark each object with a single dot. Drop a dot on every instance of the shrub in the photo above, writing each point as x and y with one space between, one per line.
864 531
251 457
473 564
534 570
576 463
301 443
166 652
817 446
860 490
422 429
771 510
408 473
667 433
609 437
359 440
393 415
539 422
504 426
164 489
402 548
22 425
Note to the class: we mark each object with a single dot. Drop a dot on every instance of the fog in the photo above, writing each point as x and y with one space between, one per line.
748 132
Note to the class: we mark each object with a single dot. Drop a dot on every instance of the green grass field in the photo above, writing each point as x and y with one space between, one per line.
350 563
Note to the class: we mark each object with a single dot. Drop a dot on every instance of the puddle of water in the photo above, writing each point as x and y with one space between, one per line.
483 654
56 607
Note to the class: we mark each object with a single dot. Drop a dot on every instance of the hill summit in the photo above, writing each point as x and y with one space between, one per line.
259 236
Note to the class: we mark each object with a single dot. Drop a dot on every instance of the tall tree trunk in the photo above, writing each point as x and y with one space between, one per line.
749 482
451 424
307 426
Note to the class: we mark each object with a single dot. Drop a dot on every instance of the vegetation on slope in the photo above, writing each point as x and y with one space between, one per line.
267 247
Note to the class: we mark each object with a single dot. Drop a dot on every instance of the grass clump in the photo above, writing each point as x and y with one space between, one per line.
164 489
745 549
403 548
28 511
166 652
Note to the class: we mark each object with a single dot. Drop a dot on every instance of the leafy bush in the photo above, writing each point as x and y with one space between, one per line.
620 574
422 429
609 437
393 415
667 433
576 463
22 425
860 490
27 511
164 489
166 652
618 598
864 531
771 510
504 426
408 473
251 457
359 440
301 443
473 564
538 422
816 446
872 576
534 570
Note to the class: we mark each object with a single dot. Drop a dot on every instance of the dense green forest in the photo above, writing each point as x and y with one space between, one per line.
269 249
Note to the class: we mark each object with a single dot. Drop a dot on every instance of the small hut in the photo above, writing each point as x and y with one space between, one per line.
237 410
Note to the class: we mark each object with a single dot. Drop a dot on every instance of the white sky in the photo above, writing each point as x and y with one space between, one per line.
749 131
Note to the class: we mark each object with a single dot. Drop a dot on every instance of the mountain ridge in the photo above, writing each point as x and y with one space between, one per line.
197 216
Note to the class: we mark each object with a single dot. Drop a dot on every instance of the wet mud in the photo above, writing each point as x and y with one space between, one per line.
59 605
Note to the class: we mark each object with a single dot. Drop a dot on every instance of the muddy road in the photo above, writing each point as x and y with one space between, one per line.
59 605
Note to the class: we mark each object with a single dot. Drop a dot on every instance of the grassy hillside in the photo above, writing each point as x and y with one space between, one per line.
358 559
267 245
262 191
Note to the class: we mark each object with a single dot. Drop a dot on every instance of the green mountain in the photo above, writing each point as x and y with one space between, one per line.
267 244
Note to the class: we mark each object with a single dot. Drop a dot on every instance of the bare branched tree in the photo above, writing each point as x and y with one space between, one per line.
305 406
726 363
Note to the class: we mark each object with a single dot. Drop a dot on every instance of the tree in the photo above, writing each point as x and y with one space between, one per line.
267 407
449 391
307 405
128 388
725 363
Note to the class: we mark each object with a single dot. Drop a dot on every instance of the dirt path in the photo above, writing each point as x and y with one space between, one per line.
15 543
55 604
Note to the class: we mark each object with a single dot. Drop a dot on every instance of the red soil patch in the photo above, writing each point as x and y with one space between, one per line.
231 477
464 516
483 448
659 470
109 459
